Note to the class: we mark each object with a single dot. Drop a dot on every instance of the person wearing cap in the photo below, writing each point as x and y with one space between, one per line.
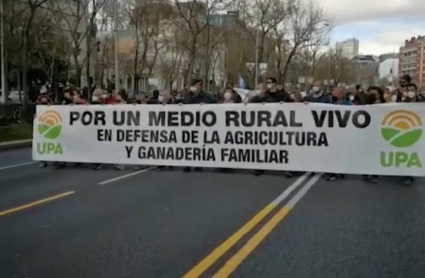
197 95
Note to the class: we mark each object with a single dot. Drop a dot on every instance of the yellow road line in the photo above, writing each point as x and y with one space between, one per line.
241 255
201 267
2 213
254 241
225 246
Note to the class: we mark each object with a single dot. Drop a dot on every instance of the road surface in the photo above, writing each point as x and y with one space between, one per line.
77 222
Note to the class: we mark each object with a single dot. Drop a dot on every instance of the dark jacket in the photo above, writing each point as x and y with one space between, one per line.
321 99
278 96
202 97
360 99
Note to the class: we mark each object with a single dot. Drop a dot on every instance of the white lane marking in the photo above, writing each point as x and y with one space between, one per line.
126 176
289 190
303 191
17 165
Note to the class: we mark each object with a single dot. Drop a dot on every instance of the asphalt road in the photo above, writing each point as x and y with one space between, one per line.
77 222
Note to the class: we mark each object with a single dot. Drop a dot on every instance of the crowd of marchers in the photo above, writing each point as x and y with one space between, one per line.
267 92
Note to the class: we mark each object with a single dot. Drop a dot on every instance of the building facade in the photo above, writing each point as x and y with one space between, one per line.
348 48
367 67
412 56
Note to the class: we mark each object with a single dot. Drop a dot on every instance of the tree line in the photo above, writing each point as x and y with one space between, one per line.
72 40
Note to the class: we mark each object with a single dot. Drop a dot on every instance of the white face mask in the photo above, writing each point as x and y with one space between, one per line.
95 98
193 89
161 99
411 94
105 96
351 98
227 96
269 86
316 89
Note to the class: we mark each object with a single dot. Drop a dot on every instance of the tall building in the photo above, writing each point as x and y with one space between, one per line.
348 48
412 56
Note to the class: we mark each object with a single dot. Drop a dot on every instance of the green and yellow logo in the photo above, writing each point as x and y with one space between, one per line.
50 124
401 129
50 127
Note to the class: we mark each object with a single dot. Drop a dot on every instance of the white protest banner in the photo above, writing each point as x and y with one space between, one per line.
372 139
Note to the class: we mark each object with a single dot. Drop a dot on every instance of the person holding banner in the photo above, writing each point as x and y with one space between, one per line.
337 99
108 97
410 95
272 94
235 96
197 95
317 95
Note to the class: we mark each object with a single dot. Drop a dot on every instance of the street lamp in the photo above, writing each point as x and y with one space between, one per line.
3 56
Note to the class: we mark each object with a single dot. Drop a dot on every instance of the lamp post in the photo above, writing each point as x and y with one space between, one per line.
3 56
256 57
117 79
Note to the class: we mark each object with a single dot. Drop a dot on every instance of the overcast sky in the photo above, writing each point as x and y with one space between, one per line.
381 26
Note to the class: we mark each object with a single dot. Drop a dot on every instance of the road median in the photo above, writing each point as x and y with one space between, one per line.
16 144
15 136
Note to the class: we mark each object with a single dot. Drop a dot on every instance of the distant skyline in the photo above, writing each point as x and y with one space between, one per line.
381 26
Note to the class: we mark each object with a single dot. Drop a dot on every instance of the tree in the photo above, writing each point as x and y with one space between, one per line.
267 16
47 54
95 7
32 6
193 17
79 17
306 26
333 65
145 18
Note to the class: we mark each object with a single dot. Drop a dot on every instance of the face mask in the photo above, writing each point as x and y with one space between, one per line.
178 97
227 96
351 98
105 96
95 99
193 89
269 86
334 99
411 94
316 89
160 99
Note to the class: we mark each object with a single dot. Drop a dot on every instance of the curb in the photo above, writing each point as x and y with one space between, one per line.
15 144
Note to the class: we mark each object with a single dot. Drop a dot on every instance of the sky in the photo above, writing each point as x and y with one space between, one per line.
381 26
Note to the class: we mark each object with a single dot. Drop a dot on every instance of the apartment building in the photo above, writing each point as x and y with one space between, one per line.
412 59
348 48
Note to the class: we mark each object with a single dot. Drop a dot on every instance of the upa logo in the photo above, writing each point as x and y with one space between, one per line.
401 129
50 128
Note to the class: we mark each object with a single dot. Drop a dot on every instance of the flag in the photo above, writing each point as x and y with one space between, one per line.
241 82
